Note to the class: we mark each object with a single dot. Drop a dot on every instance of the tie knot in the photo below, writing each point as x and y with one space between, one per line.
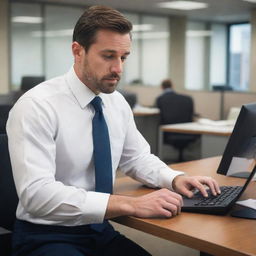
96 102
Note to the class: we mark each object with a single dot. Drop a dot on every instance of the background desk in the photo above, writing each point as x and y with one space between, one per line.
217 235
213 140
147 122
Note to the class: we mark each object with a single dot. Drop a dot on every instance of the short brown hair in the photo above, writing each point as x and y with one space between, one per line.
167 83
96 18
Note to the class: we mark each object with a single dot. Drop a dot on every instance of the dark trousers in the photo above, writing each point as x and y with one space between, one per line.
47 240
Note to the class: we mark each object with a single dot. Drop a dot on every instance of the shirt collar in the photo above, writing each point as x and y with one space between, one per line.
80 91
168 90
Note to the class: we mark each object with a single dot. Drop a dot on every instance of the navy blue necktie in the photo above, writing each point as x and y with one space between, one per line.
101 150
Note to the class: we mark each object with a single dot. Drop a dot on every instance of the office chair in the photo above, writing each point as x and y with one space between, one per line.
4 112
176 108
130 97
28 82
8 197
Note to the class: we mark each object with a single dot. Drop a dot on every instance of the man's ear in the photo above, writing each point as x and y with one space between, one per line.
77 51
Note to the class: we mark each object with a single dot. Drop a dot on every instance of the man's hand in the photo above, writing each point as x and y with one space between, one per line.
185 184
160 203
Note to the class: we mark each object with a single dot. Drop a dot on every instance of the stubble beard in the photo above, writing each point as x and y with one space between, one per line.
101 85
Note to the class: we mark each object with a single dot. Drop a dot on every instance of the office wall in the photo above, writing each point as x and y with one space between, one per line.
237 99
4 49
207 104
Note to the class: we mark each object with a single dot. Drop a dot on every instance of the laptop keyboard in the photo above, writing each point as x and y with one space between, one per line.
227 195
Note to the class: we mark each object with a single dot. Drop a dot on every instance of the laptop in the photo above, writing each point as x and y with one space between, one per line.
219 204
238 160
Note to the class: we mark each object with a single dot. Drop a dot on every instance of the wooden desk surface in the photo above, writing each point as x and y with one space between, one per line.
197 128
145 111
217 235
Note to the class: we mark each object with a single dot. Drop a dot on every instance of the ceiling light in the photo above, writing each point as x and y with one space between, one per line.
142 27
27 19
53 33
199 33
183 5
251 1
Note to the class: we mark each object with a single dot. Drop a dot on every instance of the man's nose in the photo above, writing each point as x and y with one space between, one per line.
117 67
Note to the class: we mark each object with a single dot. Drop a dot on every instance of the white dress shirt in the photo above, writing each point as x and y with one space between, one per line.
51 149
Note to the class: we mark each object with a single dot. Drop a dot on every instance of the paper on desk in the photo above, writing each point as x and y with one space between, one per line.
251 203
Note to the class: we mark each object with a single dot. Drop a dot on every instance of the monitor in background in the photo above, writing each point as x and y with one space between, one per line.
28 82
239 156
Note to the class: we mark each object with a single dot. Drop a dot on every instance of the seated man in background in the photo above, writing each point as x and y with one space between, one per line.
175 108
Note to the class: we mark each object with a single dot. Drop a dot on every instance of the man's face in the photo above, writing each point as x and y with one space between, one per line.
101 67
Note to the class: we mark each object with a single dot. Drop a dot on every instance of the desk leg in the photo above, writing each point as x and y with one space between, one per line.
160 143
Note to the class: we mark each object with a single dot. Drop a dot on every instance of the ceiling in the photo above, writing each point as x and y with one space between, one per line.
227 11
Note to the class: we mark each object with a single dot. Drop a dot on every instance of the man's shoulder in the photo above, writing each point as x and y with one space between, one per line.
47 89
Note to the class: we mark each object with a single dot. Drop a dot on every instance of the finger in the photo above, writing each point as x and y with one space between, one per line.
200 187
217 187
168 195
177 197
175 202
186 192
212 184
174 209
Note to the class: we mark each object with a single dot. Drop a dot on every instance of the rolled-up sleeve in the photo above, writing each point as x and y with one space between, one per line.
140 164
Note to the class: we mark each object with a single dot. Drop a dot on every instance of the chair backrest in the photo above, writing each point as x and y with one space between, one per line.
175 108
28 82
8 194
130 97
4 113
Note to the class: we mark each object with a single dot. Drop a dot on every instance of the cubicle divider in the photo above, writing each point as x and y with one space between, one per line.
237 99
207 103
147 95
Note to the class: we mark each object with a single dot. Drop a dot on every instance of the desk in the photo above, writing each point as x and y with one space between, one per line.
217 235
147 121
213 140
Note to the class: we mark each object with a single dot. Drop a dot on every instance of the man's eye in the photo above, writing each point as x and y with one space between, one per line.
123 58
108 57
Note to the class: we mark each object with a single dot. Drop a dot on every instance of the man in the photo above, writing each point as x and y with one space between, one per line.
52 148
175 108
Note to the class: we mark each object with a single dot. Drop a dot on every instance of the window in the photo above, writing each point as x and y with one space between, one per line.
206 55
148 63
218 55
239 53
59 25
155 50
196 58
41 44
26 46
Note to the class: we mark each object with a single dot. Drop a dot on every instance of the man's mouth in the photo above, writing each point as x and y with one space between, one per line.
112 78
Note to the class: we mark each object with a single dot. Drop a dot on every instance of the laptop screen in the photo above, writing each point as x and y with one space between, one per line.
240 153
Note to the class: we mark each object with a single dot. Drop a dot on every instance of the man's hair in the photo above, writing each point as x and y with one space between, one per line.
98 18
167 83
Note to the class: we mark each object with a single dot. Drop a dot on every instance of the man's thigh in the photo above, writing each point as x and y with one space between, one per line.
121 245
57 249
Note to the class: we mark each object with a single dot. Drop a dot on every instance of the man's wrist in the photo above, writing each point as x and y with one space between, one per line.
120 206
